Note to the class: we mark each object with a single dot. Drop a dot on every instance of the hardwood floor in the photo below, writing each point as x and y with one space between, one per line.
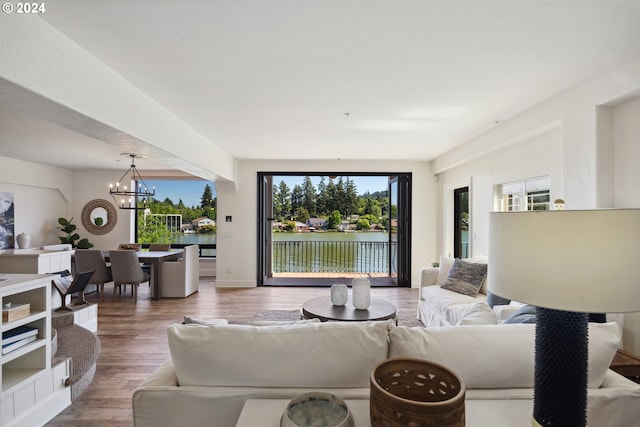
134 341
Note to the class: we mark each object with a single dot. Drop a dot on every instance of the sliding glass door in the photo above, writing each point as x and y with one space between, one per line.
334 225
400 229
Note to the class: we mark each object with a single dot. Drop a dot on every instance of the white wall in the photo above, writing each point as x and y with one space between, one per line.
592 154
41 194
540 155
236 247
90 185
575 109
626 134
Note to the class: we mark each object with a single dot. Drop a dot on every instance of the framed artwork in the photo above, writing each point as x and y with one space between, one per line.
6 221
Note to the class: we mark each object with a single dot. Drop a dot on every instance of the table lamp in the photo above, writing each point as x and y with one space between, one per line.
567 264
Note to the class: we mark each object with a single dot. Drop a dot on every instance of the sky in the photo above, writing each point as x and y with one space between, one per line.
191 191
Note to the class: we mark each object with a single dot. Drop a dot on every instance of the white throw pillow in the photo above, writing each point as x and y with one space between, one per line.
332 354
496 356
446 263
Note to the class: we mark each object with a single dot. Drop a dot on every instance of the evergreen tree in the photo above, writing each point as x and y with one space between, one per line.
296 198
321 199
277 205
281 201
351 197
331 197
206 201
309 195
341 196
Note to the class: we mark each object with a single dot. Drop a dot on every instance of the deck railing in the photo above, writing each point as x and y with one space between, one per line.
331 257
206 250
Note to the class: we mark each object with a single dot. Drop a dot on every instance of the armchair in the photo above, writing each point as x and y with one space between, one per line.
180 279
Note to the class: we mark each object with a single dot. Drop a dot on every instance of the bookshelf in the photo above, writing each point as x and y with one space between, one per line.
27 370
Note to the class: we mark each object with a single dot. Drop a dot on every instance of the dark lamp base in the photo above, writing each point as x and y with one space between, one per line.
561 364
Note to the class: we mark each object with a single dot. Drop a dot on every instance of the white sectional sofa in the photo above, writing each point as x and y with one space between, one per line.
213 370
443 307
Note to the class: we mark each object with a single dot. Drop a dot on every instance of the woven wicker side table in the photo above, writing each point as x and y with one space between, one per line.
414 392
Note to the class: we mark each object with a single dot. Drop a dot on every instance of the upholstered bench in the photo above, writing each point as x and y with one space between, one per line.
80 345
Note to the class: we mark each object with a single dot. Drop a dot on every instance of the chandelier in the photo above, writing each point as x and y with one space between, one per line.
131 198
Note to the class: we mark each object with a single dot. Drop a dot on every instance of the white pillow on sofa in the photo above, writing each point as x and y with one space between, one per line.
332 354
496 356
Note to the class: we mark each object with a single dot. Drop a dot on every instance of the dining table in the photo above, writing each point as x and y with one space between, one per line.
154 259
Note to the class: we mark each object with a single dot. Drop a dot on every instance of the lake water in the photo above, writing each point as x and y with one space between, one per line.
194 239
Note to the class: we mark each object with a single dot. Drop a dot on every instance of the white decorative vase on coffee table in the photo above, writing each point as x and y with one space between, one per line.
339 294
361 288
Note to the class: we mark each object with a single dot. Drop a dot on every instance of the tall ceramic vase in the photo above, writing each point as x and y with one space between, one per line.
361 289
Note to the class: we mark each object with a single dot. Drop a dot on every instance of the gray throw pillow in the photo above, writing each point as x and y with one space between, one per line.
525 314
465 277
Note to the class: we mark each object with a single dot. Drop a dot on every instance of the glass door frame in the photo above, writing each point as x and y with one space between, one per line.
458 251
265 218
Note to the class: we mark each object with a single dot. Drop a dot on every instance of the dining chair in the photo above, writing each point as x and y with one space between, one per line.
159 246
179 279
126 270
155 247
92 259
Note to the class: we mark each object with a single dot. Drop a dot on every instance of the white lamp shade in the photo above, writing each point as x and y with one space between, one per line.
583 261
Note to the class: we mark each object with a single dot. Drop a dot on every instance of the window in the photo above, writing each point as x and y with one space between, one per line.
529 195
183 212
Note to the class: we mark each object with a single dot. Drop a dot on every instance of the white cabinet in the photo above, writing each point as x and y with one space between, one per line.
36 261
32 390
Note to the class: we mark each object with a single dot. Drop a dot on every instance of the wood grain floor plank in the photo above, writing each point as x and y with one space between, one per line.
134 339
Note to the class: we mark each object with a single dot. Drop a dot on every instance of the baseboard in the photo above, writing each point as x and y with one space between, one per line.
235 283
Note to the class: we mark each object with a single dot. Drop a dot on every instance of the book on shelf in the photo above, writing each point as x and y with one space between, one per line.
15 311
8 348
16 334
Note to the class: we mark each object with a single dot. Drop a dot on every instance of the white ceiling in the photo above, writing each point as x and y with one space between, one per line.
322 79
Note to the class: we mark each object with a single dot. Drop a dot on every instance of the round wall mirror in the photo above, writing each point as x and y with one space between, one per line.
99 216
